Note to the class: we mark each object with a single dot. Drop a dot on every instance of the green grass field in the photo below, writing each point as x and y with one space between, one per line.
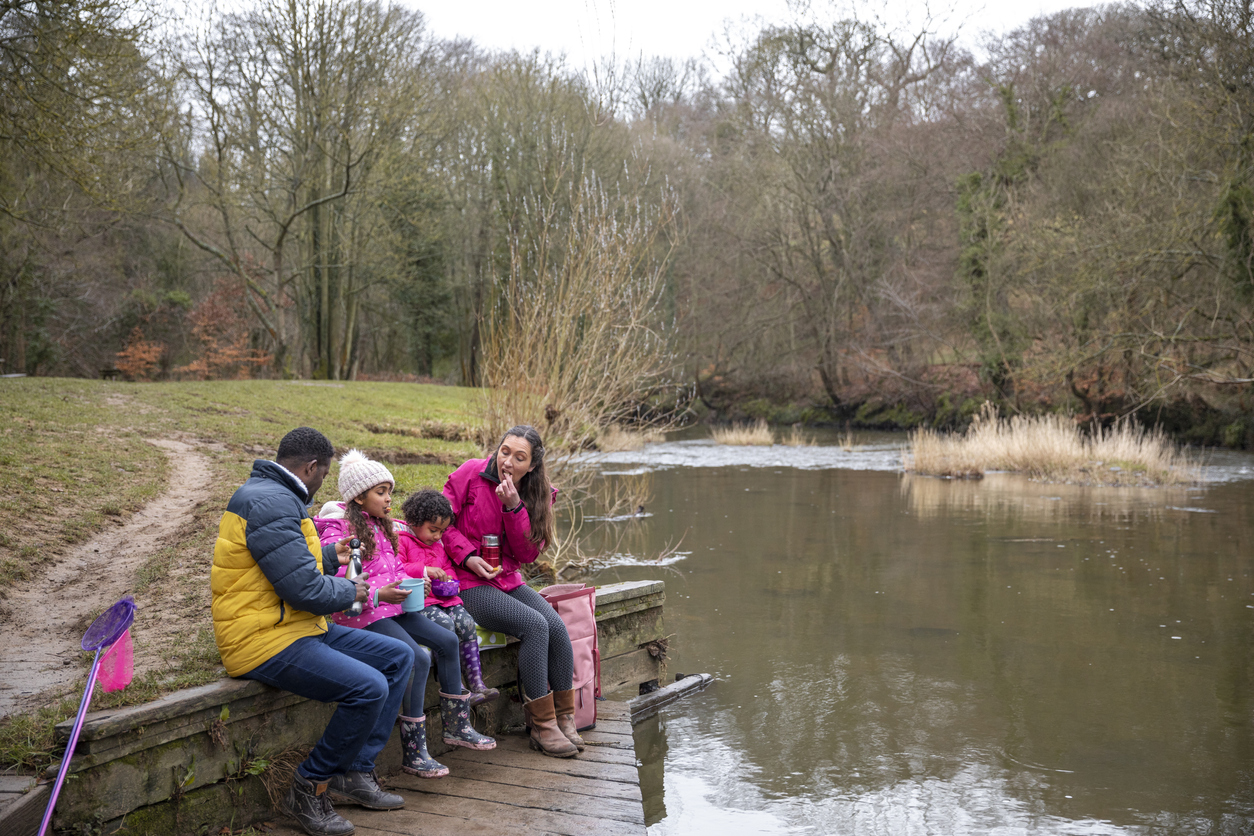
74 457
75 462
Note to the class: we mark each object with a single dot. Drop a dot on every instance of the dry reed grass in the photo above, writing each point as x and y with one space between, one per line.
744 435
618 439
1051 448
796 438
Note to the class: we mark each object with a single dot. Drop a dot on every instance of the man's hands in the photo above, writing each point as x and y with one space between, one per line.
343 551
363 588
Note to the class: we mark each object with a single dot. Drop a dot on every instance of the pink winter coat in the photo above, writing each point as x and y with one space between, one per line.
415 557
477 511
383 567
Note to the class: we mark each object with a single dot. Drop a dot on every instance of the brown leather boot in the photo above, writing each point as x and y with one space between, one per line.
545 735
564 708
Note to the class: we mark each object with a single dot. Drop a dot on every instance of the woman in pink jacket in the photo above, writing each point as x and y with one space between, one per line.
509 495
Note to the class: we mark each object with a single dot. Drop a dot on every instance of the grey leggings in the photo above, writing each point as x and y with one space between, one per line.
545 659
420 634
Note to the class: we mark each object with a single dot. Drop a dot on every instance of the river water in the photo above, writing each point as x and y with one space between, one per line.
905 655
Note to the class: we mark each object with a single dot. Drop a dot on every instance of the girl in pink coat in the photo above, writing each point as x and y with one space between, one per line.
366 487
509 495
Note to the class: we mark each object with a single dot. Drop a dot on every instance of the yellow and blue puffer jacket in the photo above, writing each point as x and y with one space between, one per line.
272 581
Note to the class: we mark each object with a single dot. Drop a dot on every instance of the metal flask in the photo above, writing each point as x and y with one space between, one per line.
490 550
353 570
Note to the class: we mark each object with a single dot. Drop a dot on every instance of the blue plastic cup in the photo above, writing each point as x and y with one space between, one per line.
417 594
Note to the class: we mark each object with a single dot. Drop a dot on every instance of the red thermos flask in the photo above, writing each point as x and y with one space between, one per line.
490 550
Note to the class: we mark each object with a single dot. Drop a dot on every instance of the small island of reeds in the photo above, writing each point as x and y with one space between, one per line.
1051 448
743 435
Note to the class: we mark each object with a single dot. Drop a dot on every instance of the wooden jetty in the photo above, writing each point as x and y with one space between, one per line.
188 762
513 789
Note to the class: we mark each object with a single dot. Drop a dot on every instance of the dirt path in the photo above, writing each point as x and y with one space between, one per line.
39 643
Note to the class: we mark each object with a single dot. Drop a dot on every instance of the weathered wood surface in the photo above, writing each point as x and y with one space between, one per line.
646 705
131 761
24 803
513 789
628 670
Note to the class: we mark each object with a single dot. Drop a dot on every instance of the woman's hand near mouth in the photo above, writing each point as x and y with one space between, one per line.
507 492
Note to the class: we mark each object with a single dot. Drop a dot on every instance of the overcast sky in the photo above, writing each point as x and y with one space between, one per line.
588 29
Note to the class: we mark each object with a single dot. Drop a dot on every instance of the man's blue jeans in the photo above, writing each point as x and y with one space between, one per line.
364 672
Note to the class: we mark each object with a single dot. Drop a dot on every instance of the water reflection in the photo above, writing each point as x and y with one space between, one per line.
999 495
923 656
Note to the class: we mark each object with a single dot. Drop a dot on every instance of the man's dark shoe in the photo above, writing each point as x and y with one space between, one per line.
309 804
362 788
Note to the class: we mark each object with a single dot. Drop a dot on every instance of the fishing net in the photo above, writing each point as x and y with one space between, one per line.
110 625
118 664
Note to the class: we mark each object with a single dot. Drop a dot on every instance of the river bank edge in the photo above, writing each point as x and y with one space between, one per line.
1188 420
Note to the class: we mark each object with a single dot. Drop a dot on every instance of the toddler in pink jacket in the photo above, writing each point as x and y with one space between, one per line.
427 514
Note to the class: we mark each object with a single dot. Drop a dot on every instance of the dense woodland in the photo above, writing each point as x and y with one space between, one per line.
855 222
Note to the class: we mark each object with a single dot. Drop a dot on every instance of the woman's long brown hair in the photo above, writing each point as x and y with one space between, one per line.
534 489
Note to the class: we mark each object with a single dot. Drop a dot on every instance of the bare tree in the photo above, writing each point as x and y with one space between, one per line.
295 105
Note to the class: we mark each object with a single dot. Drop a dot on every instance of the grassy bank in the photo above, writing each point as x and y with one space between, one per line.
1051 448
74 458
75 463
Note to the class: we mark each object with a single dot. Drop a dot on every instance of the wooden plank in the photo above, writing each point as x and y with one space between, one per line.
612 593
529 798
609 614
431 815
646 705
508 755
606 725
628 669
629 631
182 708
524 776
597 752
614 710
23 816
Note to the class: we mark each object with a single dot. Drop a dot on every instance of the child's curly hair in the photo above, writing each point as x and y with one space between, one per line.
426 505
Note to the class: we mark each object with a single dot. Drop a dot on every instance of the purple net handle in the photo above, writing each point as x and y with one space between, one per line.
69 749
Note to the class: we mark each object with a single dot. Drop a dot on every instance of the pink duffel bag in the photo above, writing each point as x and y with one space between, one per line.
576 603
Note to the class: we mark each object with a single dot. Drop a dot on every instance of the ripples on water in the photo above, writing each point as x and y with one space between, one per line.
906 655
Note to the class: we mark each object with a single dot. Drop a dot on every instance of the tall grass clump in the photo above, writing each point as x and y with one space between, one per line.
576 340
758 434
797 438
1051 448
618 439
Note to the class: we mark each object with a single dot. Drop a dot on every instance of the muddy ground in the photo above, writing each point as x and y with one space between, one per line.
46 616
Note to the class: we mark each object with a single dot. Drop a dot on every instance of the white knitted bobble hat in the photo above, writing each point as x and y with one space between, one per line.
359 474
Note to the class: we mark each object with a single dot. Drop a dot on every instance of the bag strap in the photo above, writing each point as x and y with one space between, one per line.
584 592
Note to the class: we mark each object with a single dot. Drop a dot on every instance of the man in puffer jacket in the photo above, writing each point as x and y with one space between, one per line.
273 586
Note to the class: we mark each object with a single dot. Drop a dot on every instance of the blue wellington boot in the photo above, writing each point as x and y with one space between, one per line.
455 712
414 757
